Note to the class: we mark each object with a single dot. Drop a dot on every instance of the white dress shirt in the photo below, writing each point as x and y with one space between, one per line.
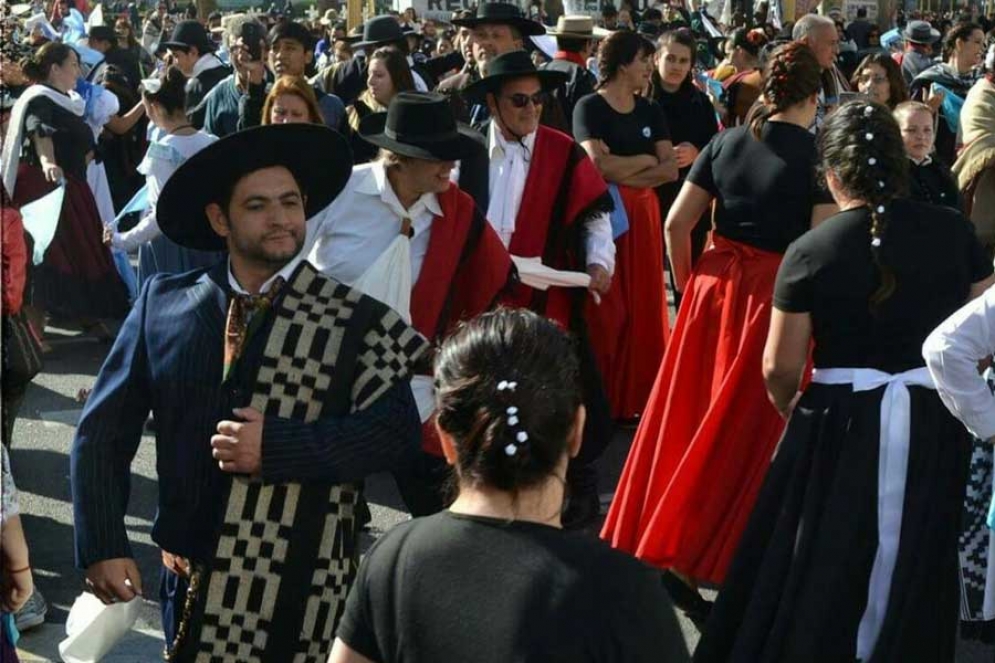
349 235
953 353
507 177
285 273
420 84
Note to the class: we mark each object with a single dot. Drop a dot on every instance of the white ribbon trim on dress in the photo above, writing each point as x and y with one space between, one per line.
893 464
11 155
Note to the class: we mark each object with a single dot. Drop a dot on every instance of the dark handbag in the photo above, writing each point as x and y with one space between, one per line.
22 351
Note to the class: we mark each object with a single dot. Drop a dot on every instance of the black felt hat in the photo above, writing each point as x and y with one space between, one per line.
318 157
921 32
380 31
190 33
507 66
502 13
421 125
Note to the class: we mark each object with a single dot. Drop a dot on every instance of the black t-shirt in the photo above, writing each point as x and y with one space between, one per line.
70 134
625 134
764 189
830 273
459 588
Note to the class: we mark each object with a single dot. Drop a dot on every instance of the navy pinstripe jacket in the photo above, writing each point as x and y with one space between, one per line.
167 359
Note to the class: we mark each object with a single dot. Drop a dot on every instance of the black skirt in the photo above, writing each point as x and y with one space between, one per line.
797 588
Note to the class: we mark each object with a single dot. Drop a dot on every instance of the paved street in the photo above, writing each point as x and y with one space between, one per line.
40 461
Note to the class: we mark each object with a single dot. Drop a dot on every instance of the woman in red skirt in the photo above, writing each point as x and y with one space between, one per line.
626 135
706 439
48 142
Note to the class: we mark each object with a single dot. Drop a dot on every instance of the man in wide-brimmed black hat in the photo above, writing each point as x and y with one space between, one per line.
496 28
404 233
348 79
920 38
275 391
547 200
192 51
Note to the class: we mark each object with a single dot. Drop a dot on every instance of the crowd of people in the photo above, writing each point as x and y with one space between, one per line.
467 252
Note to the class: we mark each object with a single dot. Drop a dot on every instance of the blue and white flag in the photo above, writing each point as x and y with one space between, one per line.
41 218
138 203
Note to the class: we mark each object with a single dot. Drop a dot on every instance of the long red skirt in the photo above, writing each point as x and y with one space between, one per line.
77 279
708 434
629 329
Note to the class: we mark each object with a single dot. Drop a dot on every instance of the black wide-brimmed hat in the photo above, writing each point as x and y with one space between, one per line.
190 33
502 13
421 125
380 31
318 157
507 66
921 32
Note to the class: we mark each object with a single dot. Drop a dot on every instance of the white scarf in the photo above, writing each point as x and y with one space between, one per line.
11 155
206 62
507 186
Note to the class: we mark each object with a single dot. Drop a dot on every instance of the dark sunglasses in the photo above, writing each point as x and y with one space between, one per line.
521 100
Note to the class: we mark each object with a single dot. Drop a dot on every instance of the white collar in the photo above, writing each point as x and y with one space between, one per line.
285 273
207 61
925 162
376 184
497 145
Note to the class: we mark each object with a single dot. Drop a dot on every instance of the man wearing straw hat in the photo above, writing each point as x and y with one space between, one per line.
267 419
403 233
575 37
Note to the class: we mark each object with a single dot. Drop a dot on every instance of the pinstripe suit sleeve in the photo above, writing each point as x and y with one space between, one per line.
344 448
106 441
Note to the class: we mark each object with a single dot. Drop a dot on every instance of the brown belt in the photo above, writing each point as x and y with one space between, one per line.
178 565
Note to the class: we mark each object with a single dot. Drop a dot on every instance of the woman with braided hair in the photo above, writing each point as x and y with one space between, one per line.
704 444
852 550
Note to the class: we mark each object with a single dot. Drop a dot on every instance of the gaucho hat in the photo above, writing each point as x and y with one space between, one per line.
508 66
318 157
190 33
502 13
380 31
421 125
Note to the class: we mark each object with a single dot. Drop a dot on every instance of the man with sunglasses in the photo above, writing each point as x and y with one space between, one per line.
546 200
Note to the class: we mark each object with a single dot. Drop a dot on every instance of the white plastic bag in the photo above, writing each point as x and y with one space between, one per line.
94 628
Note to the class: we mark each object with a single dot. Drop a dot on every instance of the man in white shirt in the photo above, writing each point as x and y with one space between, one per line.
402 233
957 354
546 200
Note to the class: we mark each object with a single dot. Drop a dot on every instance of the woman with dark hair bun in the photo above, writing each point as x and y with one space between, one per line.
175 140
852 549
495 578
743 88
627 137
701 450
49 143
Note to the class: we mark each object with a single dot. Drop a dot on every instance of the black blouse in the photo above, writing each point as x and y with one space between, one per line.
691 119
932 183
765 189
70 134
830 273
625 134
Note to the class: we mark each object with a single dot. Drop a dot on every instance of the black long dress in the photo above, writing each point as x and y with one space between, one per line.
77 280
798 586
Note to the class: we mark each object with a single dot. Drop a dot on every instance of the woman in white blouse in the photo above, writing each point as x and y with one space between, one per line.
174 141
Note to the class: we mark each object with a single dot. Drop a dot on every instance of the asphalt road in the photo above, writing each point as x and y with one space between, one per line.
40 460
